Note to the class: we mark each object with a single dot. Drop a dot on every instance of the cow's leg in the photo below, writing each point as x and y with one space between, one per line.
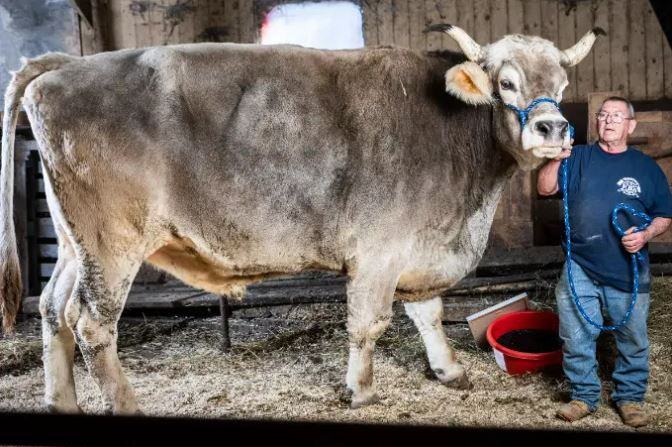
57 338
99 295
427 318
370 296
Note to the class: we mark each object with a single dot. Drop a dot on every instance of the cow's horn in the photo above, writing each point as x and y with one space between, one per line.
574 55
469 47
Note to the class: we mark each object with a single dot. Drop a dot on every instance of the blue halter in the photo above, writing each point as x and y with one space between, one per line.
523 116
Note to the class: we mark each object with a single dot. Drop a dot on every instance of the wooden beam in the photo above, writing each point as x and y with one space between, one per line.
636 52
618 36
448 14
566 39
514 18
498 20
655 83
370 18
482 19
601 51
432 17
584 70
93 34
400 23
416 24
83 8
385 23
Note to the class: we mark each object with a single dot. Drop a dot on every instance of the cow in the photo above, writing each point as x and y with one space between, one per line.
227 164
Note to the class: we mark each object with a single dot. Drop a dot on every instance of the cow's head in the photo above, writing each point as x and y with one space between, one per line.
512 74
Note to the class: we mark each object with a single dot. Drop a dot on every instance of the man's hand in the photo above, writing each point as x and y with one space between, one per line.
564 154
633 242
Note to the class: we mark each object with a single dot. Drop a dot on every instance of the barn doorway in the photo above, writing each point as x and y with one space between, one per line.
325 25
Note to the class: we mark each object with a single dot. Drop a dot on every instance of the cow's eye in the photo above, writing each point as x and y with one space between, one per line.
506 84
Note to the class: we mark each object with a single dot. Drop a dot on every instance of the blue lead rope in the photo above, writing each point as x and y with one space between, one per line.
634 257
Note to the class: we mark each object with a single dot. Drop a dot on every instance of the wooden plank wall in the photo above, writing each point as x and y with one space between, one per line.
135 23
634 58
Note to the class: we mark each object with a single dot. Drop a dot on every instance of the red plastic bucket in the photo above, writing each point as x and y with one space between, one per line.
516 362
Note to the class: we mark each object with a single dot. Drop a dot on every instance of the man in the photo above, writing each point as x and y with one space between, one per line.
599 176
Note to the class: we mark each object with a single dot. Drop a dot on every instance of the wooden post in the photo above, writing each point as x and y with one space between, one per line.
33 284
98 14
225 312
20 215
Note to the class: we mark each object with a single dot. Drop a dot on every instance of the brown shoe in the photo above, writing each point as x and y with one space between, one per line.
573 411
633 414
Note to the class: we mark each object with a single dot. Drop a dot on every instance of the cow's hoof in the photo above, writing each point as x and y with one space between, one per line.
459 383
53 409
364 401
134 411
346 395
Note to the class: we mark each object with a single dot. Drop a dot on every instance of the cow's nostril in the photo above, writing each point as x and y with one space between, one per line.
544 127
551 128
563 128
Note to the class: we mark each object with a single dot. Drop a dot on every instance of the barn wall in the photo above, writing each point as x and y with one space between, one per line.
635 57
142 23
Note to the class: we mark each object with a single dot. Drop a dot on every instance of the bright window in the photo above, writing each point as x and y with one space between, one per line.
327 25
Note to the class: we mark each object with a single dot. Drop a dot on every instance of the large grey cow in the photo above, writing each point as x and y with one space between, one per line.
226 164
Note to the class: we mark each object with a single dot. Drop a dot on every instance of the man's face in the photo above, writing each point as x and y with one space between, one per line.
609 130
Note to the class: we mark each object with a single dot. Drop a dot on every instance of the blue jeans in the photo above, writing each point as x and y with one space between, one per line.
579 338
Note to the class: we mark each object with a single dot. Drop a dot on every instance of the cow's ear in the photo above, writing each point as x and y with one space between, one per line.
470 83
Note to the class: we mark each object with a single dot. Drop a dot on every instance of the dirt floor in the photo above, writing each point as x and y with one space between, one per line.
290 363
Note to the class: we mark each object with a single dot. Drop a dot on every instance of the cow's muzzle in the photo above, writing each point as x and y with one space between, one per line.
547 133
551 129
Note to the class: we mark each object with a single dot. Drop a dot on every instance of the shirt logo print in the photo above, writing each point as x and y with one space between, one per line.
629 186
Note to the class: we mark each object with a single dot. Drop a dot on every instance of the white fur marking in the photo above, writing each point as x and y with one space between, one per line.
502 50
427 318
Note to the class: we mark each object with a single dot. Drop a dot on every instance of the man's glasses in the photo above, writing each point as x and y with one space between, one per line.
617 117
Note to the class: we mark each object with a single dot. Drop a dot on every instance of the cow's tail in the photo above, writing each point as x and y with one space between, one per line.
10 270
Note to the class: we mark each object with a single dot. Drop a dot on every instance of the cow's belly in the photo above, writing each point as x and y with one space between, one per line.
227 272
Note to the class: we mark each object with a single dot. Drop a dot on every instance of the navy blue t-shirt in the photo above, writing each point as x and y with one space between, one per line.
598 181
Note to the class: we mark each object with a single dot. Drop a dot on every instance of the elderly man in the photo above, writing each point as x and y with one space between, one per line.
599 176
